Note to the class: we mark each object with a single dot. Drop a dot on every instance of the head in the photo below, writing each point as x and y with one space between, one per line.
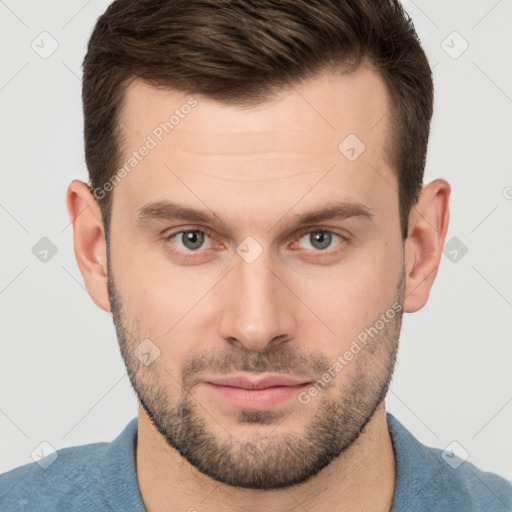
255 207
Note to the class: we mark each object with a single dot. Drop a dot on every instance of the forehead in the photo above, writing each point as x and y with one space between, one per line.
331 105
278 149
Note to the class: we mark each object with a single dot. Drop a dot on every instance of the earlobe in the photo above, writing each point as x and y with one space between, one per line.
428 224
89 241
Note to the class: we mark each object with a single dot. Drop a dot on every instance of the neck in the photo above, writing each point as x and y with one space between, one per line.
361 478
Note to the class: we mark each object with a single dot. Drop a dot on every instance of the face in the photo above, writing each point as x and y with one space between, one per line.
260 332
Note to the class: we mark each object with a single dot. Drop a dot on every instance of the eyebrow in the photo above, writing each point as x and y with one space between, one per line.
168 210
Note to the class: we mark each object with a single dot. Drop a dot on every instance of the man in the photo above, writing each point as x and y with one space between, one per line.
256 223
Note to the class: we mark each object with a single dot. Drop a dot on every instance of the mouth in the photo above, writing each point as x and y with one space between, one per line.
264 392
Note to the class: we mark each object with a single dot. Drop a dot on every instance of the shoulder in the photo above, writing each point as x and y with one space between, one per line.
439 480
459 483
61 477
97 476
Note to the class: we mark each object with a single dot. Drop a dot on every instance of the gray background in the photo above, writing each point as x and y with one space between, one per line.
62 377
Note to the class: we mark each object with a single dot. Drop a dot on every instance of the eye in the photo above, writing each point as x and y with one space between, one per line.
320 239
191 239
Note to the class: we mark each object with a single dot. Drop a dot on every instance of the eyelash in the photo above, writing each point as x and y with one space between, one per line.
321 254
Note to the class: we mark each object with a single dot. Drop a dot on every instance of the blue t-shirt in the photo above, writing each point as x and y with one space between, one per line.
101 476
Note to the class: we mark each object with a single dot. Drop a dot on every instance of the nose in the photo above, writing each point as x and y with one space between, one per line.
258 308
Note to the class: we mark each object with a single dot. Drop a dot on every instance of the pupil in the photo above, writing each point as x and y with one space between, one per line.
192 239
322 237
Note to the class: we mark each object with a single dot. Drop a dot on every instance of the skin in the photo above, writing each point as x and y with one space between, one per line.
255 168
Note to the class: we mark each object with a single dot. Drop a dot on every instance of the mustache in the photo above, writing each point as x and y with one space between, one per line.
273 358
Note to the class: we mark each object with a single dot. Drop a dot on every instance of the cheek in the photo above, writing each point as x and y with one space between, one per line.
162 301
348 297
169 304
148 296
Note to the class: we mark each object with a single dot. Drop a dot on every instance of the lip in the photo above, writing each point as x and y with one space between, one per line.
262 392
267 381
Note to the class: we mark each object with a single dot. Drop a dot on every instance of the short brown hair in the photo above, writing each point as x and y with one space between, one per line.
240 52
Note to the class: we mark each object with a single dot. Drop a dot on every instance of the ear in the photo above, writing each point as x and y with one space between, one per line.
89 241
428 224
